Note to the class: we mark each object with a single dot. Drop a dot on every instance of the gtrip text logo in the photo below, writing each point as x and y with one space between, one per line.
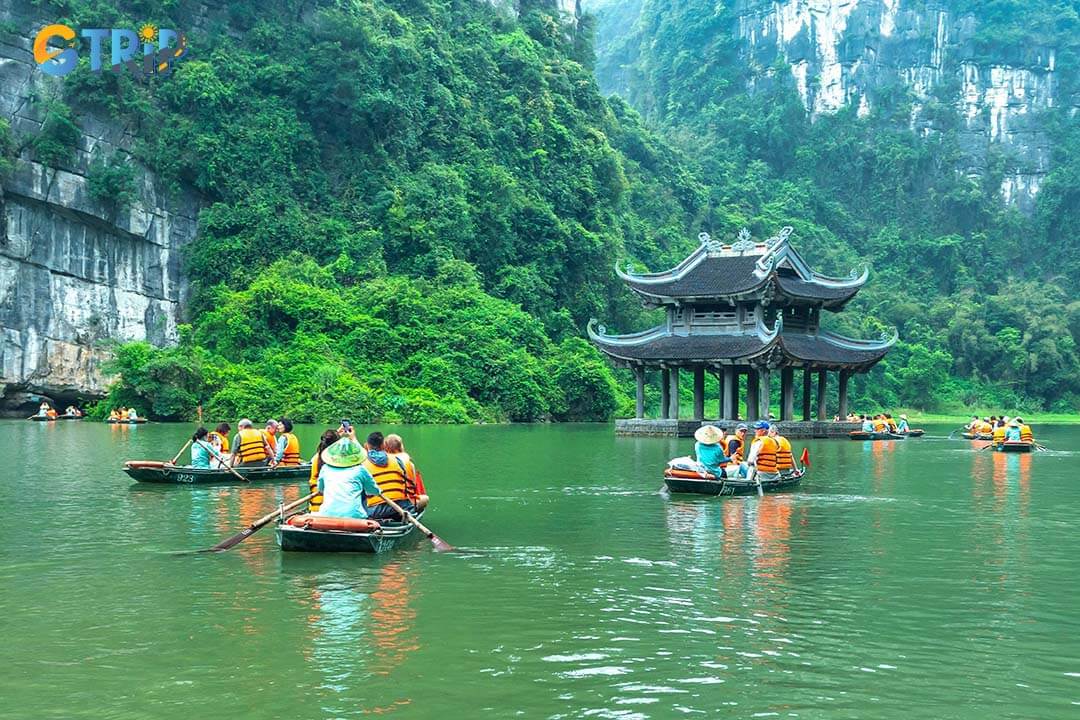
147 51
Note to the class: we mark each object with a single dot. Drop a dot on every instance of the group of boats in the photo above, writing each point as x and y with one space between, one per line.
54 418
297 531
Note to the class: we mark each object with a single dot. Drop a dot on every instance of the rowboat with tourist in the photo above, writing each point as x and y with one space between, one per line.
152 471
316 533
726 466
47 413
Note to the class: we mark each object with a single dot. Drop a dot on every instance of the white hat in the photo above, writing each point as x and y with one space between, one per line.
708 435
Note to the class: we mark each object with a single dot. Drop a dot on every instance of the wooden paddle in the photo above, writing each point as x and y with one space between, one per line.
439 544
181 451
259 524
212 451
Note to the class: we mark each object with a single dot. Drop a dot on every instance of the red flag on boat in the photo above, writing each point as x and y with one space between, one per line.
805 457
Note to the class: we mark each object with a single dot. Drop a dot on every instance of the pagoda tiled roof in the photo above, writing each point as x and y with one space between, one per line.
716 272
774 347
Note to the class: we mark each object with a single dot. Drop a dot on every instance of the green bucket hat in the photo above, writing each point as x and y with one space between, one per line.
344 453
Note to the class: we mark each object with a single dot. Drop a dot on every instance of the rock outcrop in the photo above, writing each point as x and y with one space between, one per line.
76 272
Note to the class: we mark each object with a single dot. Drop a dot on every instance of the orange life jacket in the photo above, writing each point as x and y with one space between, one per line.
879 425
784 459
985 428
999 435
1025 434
223 441
766 456
734 449
291 456
391 479
252 446
413 483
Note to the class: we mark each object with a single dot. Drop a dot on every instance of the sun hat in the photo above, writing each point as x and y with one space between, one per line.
903 417
761 425
345 453
740 426
708 434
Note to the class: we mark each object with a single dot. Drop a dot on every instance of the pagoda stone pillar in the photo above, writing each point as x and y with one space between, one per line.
752 397
673 394
842 412
699 393
730 408
806 394
765 381
664 389
822 382
639 398
787 394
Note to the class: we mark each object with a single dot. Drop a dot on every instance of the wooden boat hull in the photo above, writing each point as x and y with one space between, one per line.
977 436
1015 447
39 418
391 535
914 433
152 472
729 486
860 435
138 421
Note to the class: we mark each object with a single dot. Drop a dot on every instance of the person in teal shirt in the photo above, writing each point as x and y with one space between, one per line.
344 483
867 424
709 449
200 455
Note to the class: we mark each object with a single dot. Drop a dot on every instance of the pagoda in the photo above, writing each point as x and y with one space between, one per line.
745 309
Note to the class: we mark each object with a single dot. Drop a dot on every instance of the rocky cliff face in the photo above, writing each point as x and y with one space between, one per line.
858 53
850 52
76 272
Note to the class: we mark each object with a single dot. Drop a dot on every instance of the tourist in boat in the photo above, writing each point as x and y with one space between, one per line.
785 460
973 426
389 473
761 461
200 453
270 434
985 428
114 415
288 446
709 450
735 444
132 415
867 426
327 439
219 438
1026 435
395 448
344 481
251 448
43 409
893 427
998 436
1012 432
902 426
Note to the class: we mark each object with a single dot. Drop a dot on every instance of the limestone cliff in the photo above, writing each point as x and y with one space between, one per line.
76 272
858 52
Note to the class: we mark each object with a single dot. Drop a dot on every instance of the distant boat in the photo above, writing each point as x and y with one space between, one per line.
155 471
136 421
46 418
860 435
685 481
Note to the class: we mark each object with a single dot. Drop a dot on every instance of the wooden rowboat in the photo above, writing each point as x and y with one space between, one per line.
1017 447
152 471
977 436
391 533
46 418
860 435
916 432
137 421
728 486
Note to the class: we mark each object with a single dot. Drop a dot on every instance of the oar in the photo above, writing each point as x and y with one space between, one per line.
1038 446
257 525
989 444
439 544
181 451
221 460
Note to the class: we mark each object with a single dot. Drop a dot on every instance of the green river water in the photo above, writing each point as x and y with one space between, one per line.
913 579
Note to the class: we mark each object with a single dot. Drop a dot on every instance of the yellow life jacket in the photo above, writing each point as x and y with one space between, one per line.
291 456
985 428
999 435
766 456
252 446
1025 434
313 484
892 425
784 459
879 425
390 478
221 439
411 473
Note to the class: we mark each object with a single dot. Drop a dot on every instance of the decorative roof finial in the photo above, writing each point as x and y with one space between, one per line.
743 243
711 246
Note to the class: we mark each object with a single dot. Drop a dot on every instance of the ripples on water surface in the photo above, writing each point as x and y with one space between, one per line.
916 579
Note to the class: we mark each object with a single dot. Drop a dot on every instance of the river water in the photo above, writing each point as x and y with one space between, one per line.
912 579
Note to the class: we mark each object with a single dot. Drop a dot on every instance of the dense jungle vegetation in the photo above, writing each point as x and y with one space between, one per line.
412 208
984 297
